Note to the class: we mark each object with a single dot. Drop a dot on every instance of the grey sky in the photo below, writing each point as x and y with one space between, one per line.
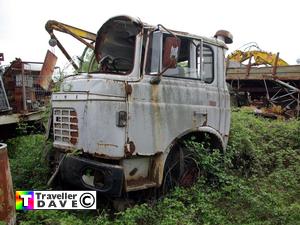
269 23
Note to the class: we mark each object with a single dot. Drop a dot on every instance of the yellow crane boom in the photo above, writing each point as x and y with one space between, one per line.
260 57
81 35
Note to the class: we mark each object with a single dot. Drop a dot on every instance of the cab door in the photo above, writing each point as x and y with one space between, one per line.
159 113
207 67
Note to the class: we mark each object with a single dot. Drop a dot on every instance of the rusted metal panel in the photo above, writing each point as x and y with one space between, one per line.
128 89
47 70
21 82
276 86
157 167
172 46
224 35
139 184
7 203
129 148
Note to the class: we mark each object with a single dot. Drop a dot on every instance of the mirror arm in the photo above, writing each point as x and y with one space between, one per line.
170 32
156 80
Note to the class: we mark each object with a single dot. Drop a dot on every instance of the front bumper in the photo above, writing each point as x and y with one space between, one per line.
73 167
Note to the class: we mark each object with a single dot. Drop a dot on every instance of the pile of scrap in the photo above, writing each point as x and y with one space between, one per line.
267 86
21 81
25 90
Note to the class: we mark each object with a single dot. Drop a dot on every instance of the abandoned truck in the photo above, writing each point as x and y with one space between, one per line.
143 92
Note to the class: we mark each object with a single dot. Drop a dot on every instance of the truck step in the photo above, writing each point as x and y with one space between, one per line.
139 184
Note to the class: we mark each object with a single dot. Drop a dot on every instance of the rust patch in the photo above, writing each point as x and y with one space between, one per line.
7 206
156 117
103 156
74 120
73 140
137 182
74 134
100 155
228 38
154 94
73 113
169 60
128 89
157 170
129 148
74 127
47 70
212 103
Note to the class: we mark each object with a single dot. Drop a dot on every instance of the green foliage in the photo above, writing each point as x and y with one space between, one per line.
255 182
28 167
261 146
52 217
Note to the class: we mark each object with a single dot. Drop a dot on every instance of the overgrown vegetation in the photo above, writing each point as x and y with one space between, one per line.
27 162
257 181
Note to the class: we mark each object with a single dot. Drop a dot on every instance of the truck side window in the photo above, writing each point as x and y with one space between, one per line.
185 68
207 73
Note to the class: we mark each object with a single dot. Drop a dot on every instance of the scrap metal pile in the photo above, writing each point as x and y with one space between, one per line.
25 90
266 82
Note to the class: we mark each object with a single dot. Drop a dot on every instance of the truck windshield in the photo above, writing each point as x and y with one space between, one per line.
87 61
115 47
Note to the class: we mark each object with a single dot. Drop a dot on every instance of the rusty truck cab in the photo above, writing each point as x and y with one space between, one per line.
143 91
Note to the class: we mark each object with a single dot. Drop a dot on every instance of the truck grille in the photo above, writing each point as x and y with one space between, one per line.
65 126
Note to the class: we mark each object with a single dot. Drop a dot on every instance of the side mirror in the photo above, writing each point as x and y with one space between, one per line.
170 54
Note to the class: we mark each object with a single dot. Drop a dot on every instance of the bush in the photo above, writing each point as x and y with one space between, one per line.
28 166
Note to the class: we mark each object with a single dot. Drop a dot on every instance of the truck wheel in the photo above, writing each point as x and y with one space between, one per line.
181 169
